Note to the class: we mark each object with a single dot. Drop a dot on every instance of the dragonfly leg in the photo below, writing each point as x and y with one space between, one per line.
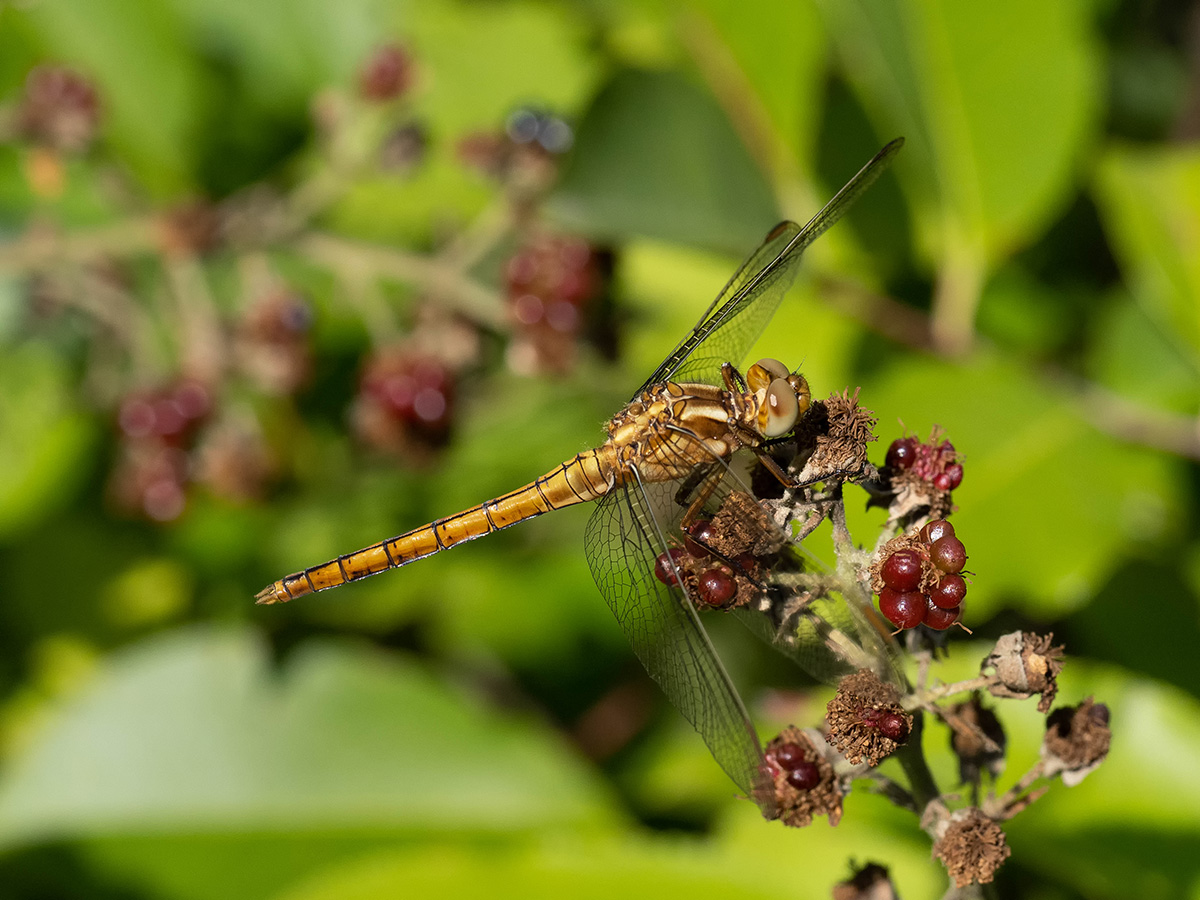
733 378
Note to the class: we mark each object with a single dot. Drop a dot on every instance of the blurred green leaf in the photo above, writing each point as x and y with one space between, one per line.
191 732
635 869
44 440
779 51
655 157
993 145
1150 201
1041 483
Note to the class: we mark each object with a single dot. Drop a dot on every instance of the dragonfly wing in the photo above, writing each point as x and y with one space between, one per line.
624 536
742 309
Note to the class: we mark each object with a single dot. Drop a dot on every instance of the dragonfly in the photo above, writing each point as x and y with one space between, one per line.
666 468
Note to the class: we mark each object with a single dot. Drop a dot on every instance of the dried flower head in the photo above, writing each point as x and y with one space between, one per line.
972 847
835 433
803 777
977 739
865 719
1026 664
59 109
1076 741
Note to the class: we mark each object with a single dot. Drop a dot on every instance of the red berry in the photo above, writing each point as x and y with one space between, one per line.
904 609
386 75
902 570
954 472
902 453
788 756
893 726
941 481
805 776
717 587
936 530
949 592
663 570
948 554
940 619
701 535
871 717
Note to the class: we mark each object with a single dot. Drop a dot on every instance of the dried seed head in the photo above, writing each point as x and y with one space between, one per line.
1026 664
837 430
865 719
1076 741
972 847
805 783
977 739
741 525
871 882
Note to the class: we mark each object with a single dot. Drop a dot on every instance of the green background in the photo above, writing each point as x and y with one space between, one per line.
419 734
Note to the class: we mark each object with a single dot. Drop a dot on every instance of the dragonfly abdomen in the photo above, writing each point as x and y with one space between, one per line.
585 477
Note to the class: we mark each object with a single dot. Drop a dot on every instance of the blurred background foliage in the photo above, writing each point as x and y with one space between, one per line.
265 271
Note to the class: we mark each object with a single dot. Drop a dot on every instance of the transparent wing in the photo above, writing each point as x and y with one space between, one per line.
740 312
623 538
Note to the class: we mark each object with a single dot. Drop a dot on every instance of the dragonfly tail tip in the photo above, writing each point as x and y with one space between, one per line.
269 595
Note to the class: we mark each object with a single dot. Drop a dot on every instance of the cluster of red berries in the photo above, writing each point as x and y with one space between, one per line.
405 401
923 584
714 582
549 283
157 430
802 773
935 462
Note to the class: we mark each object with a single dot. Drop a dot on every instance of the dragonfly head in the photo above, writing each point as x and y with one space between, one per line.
783 396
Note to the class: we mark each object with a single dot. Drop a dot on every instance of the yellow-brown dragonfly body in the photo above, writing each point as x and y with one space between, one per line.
664 434
665 463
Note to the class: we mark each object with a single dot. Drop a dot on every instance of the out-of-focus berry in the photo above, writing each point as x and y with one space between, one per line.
550 282
388 74
405 403
190 229
233 461
149 479
171 414
404 148
59 109
271 345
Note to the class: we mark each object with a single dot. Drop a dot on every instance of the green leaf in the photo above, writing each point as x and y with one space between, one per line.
1049 507
1150 204
655 157
779 52
998 102
191 732
590 872
44 440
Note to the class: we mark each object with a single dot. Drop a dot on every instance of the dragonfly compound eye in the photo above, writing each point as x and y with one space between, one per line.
763 372
780 409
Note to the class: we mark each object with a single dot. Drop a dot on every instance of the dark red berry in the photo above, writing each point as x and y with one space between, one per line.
954 472
386 75
788 756
717 587
893 726
902 453
663 570
936 530
700 537
904 609
902 570
941 481
871 717
940 619
949 592
948 554
805 776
